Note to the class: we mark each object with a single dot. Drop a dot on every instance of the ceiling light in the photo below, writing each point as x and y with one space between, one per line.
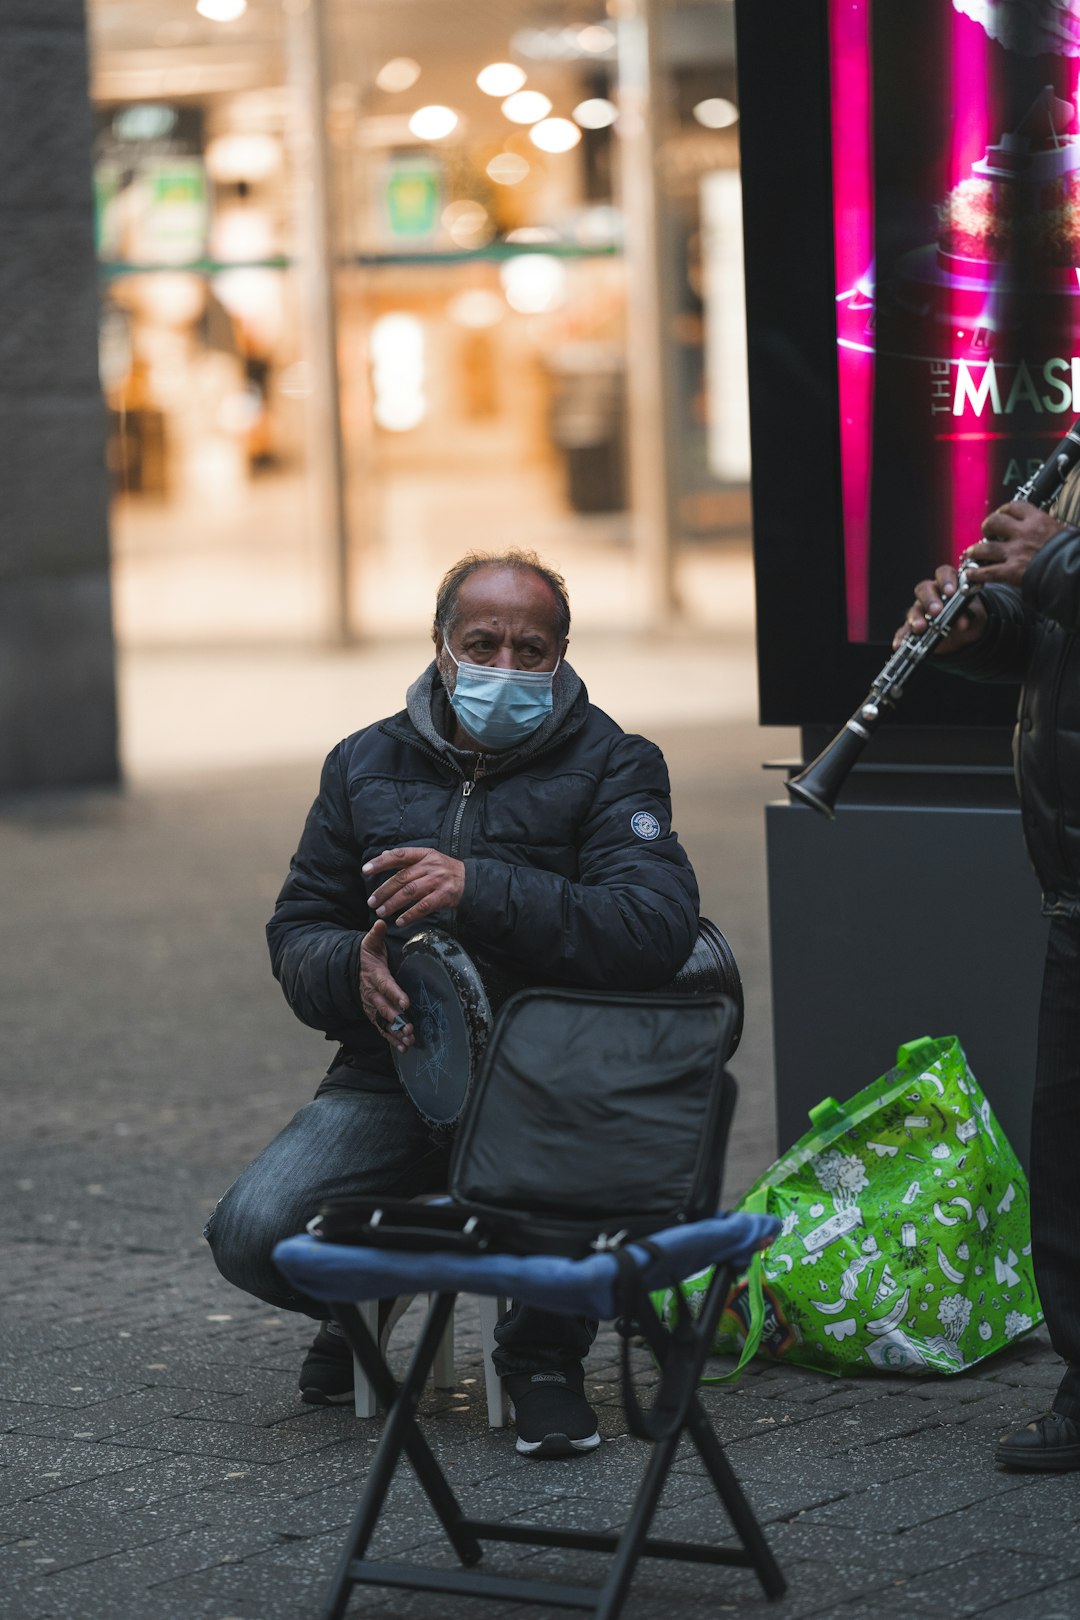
433 123
500 78
597 113
400 73
555 135
596 39
221 10
716 113
507 169
526 107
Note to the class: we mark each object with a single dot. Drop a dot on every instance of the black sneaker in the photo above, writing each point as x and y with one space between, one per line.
1048 1444
326 1377
551 1414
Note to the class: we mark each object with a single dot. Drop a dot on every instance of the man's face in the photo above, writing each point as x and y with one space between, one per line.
505 618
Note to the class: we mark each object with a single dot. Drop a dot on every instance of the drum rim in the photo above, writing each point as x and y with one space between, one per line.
446 952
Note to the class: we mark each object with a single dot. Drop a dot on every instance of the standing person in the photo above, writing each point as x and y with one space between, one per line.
503 807
1024 626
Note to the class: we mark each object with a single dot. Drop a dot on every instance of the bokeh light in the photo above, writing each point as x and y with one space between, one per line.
716 113
596 113
507 169
501 78
433 123
555 135
400 73
526 107
468 223
221 10
533 283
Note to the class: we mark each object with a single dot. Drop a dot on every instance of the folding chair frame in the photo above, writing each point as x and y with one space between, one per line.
402 1433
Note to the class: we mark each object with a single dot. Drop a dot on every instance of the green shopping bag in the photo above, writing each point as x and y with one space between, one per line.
904 1244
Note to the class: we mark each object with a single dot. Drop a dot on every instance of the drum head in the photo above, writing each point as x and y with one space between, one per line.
711 968
451 1020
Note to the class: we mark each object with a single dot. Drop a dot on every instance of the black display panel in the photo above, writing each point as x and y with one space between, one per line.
912 294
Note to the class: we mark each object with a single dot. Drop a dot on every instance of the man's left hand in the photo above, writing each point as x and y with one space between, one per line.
424 881
1014 533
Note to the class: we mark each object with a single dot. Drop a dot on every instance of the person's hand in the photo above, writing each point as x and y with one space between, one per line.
381 997
930 597
1013 534
423 881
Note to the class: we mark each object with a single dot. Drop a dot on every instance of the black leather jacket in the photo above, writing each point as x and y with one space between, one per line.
1032 636
572 872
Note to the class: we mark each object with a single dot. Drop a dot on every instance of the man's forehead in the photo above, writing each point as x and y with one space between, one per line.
494 595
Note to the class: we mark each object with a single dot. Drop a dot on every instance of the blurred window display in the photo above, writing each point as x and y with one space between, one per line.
482 312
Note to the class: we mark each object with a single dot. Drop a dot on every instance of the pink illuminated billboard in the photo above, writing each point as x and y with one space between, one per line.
955 178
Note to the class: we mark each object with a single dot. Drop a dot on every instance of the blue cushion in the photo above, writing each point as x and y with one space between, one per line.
337 1271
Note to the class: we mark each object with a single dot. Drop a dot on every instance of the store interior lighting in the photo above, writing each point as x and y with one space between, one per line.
596 113
467 223
397 372
596 39
400 73
433 123
555 135
716 113
533 283
222 11
507 169
526 107
500 78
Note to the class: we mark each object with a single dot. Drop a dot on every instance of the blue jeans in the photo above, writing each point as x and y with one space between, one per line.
355 1143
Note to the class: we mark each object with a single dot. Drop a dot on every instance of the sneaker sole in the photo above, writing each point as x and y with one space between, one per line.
319 1397
1060 1460
557 1445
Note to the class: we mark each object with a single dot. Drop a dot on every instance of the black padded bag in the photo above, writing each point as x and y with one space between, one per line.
597 1114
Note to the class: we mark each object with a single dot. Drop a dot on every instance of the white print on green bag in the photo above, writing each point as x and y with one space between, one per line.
922 1262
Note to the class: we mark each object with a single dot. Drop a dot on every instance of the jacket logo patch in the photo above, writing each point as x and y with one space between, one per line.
645 824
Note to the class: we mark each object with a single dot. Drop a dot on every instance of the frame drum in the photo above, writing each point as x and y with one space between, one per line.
451 1019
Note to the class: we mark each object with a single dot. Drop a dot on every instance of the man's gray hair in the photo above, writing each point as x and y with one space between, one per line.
446 602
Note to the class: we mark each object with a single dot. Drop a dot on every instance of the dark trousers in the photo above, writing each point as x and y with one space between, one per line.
352 1143
1055 1155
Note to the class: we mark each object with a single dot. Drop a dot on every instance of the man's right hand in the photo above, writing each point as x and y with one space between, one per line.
381 997
930 597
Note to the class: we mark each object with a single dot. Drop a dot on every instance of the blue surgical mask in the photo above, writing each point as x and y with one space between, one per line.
500 707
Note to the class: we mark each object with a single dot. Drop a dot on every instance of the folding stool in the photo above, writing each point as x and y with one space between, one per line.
340 1275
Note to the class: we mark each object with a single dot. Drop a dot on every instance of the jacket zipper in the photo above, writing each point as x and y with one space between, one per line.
466 789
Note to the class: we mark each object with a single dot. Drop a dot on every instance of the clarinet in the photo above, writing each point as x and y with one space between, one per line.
820 783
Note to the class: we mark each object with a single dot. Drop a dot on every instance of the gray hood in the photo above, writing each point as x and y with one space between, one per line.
429 709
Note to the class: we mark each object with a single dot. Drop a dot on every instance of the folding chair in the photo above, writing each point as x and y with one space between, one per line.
341 1275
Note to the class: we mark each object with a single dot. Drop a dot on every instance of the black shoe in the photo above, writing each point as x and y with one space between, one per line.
552 1416
1048 1444
327 1375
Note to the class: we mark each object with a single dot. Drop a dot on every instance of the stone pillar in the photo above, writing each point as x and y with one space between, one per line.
57 681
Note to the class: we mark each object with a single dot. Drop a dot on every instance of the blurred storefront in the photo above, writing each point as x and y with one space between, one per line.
381 282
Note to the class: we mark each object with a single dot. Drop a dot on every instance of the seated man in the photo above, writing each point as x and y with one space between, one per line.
501 806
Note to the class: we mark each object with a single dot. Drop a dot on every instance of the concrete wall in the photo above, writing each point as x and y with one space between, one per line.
57 689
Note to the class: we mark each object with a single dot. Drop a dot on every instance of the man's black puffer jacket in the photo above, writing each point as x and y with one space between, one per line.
1033 635
559 886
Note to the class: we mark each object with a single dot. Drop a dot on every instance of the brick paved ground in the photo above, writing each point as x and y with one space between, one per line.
155 1462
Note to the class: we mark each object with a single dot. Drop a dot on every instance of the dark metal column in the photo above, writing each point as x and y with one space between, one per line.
57 686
